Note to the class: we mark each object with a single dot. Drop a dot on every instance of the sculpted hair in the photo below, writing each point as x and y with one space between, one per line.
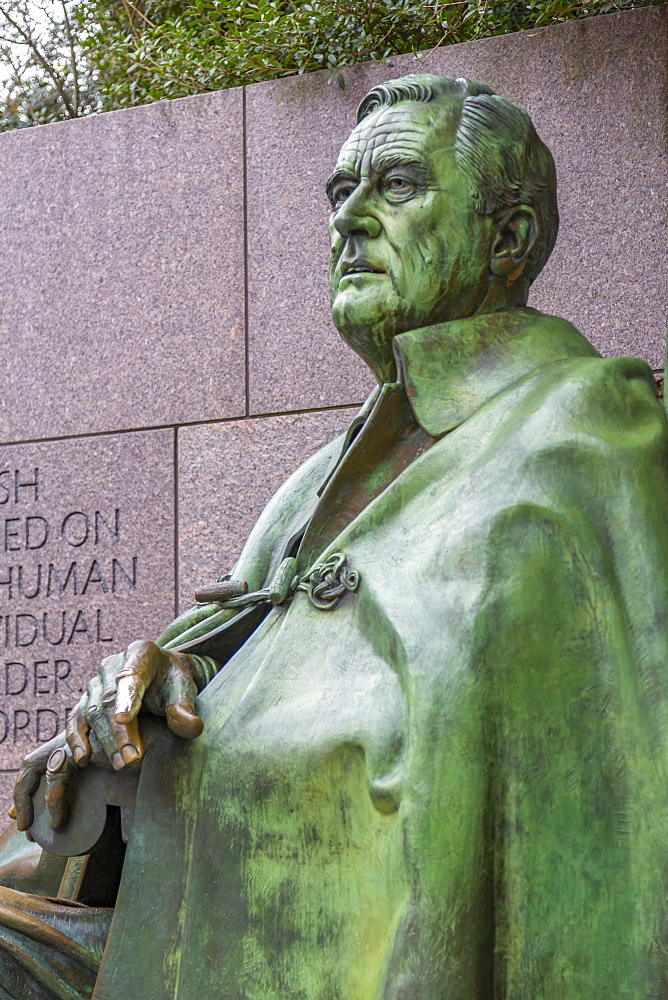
496 147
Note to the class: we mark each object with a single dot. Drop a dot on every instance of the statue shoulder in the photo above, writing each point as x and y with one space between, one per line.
614 401
593 449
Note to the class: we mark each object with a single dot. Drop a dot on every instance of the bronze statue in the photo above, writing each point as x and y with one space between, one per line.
416 743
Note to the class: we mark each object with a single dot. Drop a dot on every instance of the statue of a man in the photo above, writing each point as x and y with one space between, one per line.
426 719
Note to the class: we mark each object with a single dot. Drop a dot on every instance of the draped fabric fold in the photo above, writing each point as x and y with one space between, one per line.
49 950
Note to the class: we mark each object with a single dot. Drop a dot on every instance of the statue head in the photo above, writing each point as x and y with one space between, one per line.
443 206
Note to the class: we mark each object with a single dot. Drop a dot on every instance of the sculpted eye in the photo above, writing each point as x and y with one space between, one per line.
340 192
396 187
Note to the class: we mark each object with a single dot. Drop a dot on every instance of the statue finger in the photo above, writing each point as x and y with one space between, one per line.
129 695
143 662
26 785
179 694
129 743
76 734
58 771
57 804
120 744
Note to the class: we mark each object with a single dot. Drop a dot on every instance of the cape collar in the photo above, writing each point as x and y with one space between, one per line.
451 369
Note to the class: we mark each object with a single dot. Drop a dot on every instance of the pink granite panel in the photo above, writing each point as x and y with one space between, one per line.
122 278
86 565
227 473
7 779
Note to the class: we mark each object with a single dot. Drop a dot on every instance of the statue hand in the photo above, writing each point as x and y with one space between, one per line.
103 726
146 678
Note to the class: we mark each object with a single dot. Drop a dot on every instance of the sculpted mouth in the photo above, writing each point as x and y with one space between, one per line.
361 267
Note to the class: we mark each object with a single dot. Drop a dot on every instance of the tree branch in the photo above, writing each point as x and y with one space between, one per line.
43 62
73 60
18 83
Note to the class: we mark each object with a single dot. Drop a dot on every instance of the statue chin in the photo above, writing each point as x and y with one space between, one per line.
369 333
376 354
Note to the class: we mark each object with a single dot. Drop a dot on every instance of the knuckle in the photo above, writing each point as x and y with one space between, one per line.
183 686
108 699
93 713
180 662
81 704
141 647
25 785
76 739
127 674
22 780
35 760
92 688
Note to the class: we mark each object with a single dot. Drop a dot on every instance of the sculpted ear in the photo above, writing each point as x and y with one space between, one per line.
513 237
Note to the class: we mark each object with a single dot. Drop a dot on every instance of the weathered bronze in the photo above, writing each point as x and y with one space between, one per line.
220 591
416 746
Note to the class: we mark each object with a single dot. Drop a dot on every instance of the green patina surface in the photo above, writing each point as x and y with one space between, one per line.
458 777
454 783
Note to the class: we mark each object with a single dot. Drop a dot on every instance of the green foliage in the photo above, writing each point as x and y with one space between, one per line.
105 54
152 49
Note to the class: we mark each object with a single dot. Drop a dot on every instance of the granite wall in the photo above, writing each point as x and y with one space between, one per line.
167 352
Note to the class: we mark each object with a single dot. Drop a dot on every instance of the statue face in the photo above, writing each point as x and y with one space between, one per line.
408 249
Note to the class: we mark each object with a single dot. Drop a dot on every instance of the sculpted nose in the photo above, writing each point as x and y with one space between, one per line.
355 219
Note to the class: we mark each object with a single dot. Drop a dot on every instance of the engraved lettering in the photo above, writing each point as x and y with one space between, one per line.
46 576
10 534
37 586
54 721
22 633
98 628
53 577
75 532
25 486
80 629
4 495
62 670
47 638
20 683
115 565
8 583
90 579
38 677
20 727
35 530
100 521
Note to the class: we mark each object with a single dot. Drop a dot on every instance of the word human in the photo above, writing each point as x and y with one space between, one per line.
78 578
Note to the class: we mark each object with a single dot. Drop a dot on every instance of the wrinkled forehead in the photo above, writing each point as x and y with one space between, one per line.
411 128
